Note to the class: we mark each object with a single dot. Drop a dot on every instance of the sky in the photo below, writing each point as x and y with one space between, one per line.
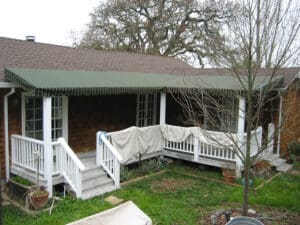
50 21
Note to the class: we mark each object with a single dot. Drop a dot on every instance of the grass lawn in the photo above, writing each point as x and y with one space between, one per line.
172 198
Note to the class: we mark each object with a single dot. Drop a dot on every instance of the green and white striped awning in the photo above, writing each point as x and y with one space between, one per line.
76 83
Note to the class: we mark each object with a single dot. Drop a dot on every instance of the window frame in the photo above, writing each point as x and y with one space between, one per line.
146 109
64 116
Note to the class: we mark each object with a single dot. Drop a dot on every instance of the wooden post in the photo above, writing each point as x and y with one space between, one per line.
162 115
48 160
241 129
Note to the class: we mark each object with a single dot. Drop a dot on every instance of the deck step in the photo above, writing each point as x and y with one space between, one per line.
96 183
277 162
94 179
98 191
285 167
270 157
92 174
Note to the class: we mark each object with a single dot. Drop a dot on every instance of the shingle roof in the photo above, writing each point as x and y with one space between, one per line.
25 54
34 55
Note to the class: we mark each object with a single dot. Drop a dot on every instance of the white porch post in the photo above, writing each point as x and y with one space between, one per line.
48 154
162 115
65 113
279 126
241 129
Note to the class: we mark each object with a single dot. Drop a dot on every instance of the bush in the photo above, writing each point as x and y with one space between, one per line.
294 148
125 174
150 166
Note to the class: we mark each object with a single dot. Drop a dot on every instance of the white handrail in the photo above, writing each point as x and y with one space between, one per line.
108 157
111 148
72 155
255 142
70 166
28 139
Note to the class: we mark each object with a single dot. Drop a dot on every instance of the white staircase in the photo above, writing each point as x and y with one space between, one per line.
94 179
277 162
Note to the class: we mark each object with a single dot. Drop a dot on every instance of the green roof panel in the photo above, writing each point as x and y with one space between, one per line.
65 82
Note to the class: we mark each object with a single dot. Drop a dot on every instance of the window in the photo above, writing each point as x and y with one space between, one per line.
33 117
57 129
222 114
146 109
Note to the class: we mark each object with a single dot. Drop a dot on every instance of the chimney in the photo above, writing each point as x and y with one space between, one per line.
30 38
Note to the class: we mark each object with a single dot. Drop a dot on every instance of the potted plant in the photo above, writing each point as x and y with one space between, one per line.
38 196
228 172
262 165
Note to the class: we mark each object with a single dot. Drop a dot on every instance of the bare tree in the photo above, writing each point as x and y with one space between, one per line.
176 28
261 34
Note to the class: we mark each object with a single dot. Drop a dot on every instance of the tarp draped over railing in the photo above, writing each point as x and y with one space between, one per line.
134 142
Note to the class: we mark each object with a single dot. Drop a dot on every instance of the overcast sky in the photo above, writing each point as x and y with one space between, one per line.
51 21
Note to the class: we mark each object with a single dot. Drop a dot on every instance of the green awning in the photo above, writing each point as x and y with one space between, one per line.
65 82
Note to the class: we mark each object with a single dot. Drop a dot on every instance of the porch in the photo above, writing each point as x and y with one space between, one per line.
94 173
61 115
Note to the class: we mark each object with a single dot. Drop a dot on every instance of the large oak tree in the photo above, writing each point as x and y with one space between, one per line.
176 28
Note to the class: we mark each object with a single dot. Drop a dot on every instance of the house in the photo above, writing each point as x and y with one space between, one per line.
59 103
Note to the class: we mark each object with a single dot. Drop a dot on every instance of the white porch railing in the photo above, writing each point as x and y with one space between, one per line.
193 145
65 162
108 157
69 165
255 142
24 152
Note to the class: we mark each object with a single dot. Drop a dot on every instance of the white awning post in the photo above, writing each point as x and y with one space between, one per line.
162 115
241 129
47 143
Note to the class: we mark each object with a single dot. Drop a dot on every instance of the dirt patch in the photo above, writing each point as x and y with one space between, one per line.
295 172
172 185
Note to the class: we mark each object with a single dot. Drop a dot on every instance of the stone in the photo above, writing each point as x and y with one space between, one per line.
222 220
213 219
220 211
113 200
251 212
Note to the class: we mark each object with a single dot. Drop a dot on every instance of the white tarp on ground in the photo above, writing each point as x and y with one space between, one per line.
125 214
134 142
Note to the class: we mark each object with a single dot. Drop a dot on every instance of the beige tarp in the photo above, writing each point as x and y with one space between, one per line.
125 214
138 141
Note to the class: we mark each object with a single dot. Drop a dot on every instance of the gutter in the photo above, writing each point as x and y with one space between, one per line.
6 134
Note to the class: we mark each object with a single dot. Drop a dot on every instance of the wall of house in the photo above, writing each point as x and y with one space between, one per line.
14 116
2 154
89 114
290 130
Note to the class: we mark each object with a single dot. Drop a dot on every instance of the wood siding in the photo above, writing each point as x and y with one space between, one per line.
90 114
14 125
290 131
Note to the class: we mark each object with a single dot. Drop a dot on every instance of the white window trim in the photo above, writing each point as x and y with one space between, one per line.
146 104
65 111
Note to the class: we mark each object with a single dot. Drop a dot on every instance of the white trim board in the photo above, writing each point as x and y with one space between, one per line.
4 84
